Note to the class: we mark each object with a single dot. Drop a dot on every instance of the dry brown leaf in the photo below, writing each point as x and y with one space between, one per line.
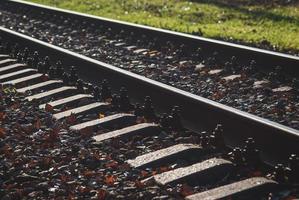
37 124
49 108
71 197
154 173
64 178
97 155
16 105
111 164
109 100
110 179
144 173
46 162
163 169
124 166
101 194
45 78
2 133
6 150
186 190
86 132
88 173
108 157
139 184
9 186
32 163
141 120
256 174
71 119
52 136
2 116
291 198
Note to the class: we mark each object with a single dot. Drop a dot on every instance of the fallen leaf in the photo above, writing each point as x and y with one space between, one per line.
86 132
109 100
290 198
71 119
15 105
64 178
141 120
2 132
124 167
101 194
108 157
44 77
2 116
9 186
115 142
154 172
256 174
163 169
46 162
101 116
111 164
144 173
88 173
71 197
37 124
6 150
83 153
96 155
52 136
32 163
139 184
110 179
186 190
28 128
49 108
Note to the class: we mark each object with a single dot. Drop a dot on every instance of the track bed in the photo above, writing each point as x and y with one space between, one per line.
63 137
259 82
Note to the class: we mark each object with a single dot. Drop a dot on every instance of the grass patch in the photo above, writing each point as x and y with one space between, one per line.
259 24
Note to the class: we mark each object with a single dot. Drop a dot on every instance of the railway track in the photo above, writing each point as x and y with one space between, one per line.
260 82
104 141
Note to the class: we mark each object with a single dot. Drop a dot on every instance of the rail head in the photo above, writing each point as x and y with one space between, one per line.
161 86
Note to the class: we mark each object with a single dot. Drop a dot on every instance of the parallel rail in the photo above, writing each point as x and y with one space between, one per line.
197 113
239 174
265 59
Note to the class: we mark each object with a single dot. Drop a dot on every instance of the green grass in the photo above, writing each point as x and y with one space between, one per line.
274 25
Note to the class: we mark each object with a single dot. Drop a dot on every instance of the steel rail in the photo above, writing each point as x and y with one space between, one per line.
198 113
265 58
